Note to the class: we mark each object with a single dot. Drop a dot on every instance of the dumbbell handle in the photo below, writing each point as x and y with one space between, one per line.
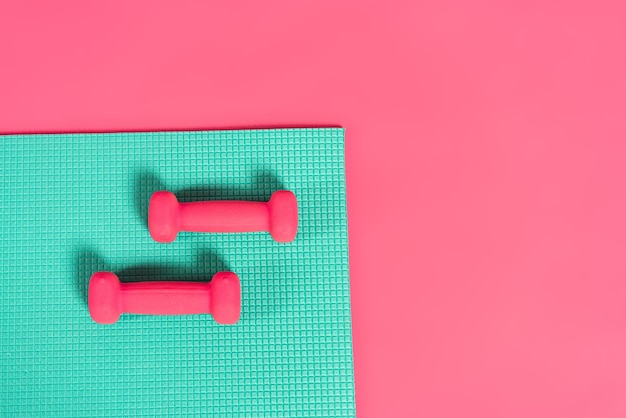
165 298
224 216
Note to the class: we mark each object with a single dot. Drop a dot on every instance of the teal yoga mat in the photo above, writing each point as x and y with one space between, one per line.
75 204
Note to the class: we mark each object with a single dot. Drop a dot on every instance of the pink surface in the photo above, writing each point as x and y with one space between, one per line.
486 168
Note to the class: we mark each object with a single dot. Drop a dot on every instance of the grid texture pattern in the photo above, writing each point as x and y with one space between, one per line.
75 204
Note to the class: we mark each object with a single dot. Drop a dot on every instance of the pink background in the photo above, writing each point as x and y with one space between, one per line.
486 168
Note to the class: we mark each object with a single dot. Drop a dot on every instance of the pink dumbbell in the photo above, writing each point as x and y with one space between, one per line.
109 298
279 216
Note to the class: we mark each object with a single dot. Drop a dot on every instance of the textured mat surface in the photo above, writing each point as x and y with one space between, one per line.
75 204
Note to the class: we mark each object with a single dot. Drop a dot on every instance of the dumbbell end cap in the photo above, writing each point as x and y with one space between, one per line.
225 298
283 207
163 216
103 298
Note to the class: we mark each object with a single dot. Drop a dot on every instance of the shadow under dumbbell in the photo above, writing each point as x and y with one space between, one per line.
88 262
203 270
259 189
146 183
265 183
